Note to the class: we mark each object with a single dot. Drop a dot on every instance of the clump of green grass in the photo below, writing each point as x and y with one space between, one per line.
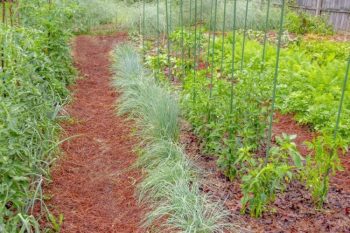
154 109
159 152
166 174
170 186
188 210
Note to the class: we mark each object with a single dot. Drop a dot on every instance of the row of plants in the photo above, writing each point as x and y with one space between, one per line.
34 74
230 111
170 189
133 15
310 79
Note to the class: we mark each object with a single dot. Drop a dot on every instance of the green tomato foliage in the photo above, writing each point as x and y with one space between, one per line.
233 122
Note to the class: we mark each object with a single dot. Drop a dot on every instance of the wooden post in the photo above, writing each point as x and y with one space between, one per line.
318 7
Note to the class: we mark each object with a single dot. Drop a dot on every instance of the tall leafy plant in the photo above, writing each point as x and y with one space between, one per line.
37 68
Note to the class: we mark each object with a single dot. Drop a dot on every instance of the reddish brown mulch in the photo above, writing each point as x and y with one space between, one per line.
286 124
339 37
342 179
293 210
92 185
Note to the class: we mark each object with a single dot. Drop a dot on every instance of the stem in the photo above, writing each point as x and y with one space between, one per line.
233 54
168 39
265 36
341 100
244 33
223 39
233 62
143 27
158 40
275 83
212 60
326 175
210 25
195 50
182 39
3 47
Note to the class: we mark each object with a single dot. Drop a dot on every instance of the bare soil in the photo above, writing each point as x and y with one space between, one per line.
92 184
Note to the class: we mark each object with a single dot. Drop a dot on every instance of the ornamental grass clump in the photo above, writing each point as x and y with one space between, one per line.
159 152
170 187
155 186
155 111
189 210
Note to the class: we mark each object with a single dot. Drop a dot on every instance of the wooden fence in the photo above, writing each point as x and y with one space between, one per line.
338 11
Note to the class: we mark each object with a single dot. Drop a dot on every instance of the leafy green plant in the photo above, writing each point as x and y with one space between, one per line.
237 162
287 150
190 40
262 182
320 165
37 68
302 23
260 186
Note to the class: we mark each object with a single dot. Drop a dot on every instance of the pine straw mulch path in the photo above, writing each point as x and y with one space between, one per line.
91 183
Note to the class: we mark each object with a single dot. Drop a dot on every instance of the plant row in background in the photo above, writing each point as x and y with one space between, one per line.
36 68
170 187
227 97
128 15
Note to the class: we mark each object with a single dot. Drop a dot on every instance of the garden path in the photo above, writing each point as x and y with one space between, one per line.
92 183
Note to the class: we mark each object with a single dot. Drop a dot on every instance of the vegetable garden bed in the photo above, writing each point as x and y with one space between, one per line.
262 91
232 83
